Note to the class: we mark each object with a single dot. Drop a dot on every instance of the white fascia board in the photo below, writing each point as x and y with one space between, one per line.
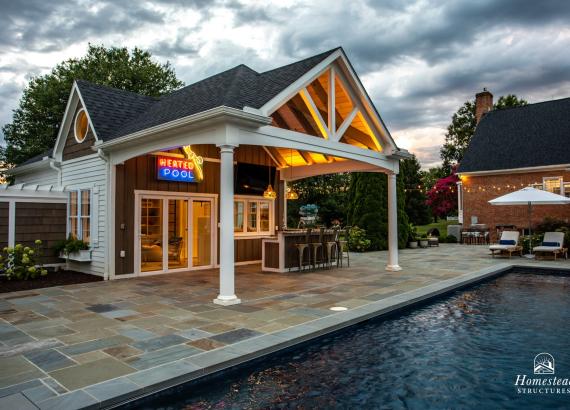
285 95
281 138
217 113
362 91
561 167
40 165
304 171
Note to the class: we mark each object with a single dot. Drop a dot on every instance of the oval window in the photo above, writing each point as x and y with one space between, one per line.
81 126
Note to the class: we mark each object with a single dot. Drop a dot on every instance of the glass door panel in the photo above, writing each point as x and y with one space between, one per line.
177 233
201 232
151 235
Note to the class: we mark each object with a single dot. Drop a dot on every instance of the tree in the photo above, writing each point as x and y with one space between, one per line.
458 135
328 192
462 128
442 197
368 208
415 200
509 101
36 121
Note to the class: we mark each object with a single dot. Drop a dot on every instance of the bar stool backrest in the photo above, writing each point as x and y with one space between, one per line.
321 235
308 235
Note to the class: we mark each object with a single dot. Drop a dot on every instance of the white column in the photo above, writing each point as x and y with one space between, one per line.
227 274
392 225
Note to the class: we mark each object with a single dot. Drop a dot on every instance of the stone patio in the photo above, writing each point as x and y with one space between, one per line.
60 347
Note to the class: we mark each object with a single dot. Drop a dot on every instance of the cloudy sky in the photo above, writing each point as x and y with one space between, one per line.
419 59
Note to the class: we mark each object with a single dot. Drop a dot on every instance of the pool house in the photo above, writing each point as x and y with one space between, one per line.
198 179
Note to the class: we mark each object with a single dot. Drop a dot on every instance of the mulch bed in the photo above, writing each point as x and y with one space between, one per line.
51 279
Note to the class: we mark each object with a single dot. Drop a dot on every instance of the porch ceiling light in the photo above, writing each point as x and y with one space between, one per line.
338 308
269 192
291 194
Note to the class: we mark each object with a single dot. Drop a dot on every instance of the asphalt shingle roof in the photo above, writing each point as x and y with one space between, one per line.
529 136
116 113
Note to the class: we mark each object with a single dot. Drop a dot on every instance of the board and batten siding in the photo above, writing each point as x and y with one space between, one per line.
90 172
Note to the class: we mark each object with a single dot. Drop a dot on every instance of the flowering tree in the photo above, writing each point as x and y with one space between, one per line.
442 197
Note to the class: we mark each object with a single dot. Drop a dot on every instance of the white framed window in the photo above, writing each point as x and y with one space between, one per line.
79 215
553 184
253 216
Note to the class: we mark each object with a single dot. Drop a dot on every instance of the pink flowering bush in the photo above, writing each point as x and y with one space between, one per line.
442 197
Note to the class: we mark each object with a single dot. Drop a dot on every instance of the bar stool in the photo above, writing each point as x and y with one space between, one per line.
332 249
342 246
301 248
316 247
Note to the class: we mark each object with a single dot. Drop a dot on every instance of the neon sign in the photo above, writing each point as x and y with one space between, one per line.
179 169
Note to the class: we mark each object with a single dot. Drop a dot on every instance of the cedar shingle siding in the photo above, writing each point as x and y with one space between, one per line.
45 221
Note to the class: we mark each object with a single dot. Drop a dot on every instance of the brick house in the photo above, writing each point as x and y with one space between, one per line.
513 148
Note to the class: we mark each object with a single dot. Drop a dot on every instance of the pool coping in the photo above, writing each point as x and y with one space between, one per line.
135 386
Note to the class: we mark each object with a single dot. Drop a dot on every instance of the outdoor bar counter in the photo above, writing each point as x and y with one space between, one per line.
279 253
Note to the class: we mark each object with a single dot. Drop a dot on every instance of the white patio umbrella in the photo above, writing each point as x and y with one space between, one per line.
530 196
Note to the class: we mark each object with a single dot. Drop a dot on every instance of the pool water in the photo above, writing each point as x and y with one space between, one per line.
463 351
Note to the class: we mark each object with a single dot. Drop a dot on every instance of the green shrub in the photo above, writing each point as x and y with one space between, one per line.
20 262
70 245
536 240
357 241
451 239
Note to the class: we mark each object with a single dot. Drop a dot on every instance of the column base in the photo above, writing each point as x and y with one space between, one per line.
227 300
393 268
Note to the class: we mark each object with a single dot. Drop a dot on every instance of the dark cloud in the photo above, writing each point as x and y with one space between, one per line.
420 60
38 25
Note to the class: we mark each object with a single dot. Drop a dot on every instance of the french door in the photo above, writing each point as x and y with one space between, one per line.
175 233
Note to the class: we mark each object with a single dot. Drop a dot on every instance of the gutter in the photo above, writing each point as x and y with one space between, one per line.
57 167
221 111
560 167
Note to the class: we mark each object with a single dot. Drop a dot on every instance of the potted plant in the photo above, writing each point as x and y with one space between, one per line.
74 249
424 243
413 237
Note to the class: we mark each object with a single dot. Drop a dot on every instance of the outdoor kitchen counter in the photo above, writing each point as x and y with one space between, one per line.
279 253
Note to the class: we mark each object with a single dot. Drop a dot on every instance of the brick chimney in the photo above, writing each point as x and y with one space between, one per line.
483 104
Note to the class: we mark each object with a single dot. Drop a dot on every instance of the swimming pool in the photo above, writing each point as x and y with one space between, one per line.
463 351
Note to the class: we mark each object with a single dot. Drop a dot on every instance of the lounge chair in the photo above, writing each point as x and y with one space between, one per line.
509 243
553 243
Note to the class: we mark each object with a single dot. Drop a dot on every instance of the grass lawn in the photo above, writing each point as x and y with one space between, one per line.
441 225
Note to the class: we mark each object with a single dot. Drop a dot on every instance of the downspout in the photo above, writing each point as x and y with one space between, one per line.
105 158
57 167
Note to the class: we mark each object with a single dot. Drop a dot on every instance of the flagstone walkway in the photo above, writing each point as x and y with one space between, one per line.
73 338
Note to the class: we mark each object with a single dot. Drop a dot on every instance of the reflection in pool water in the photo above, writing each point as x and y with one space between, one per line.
464 351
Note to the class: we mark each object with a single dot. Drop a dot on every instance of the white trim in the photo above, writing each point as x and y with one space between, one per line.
86 111
80 111
110 246
11 223
193 119
165 196
345 124
331 101
313 107
81 159
561 167
272 105
30 168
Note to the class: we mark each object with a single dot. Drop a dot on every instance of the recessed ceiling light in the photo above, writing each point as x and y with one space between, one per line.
338 308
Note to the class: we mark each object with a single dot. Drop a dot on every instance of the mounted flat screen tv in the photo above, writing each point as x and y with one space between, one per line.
252 179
